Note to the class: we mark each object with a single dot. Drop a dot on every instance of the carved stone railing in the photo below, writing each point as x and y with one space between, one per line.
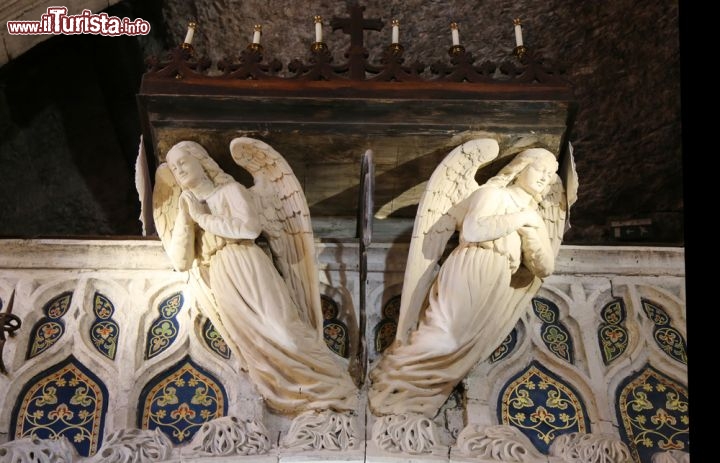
134 275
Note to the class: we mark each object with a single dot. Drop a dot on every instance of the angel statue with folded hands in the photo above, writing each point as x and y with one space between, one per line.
270 316
456 314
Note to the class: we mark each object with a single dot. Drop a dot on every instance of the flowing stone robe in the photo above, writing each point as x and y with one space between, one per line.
286 358
480 293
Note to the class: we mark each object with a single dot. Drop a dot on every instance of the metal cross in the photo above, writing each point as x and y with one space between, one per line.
355 25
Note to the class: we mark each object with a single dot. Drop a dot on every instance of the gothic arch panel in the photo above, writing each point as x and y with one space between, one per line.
65 400
542 406
652 412
179 400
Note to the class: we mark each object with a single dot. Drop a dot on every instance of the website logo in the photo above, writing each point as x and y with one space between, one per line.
57 22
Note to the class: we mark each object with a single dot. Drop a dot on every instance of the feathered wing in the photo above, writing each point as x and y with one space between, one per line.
285 221
561 194
165 199
553 209
440 213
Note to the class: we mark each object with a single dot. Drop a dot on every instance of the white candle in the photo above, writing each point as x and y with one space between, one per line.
518 33
395 31
190 33
455 34
256 34
318 28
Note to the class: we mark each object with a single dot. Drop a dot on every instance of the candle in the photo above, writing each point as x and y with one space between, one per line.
190 33
395 31
256 34
455 34
318 28
518 32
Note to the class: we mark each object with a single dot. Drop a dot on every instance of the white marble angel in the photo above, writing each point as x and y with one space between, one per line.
453 316
270 317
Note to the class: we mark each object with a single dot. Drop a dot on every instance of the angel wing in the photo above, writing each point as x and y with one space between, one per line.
285 221
439 214
165 199
556 203
553 209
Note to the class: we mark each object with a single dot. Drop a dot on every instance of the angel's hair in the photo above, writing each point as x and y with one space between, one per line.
213 170
509 173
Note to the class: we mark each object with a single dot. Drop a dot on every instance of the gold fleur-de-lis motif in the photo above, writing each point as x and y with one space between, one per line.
48 396
674 402
168 397
81 397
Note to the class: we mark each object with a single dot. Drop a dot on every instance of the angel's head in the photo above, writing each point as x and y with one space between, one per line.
191 165
533 170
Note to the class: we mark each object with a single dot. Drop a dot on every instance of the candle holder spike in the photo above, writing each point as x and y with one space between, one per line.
179 63
520 51
392 68
463 69
250 65
456 50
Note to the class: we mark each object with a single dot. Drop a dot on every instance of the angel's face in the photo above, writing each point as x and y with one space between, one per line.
186 168
535 177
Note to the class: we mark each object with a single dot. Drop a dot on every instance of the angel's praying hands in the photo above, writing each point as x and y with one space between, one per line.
455 315
272 320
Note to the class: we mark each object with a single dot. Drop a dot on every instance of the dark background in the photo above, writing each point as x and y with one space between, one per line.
69 126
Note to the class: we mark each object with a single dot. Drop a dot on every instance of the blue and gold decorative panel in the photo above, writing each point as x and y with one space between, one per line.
214 340
65 400
51 327
653 414
505 347
553 332
386 329
179 400
612 335
668 338
334 330
164 329
104 331
542 406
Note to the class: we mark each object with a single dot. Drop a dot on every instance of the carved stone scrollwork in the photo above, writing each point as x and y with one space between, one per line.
323 430
671 456
228 436
497 443
590 448
136 446
406 433
35 450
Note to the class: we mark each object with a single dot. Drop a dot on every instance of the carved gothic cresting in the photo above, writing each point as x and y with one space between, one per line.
453 316
272 320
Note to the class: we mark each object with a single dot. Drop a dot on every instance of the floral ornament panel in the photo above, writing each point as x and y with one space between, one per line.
51 327
335 331
653 414
66 400
214 340
164 329
387 327
505 347
104 331
612 335
180 400
668 338
552 331
542 406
